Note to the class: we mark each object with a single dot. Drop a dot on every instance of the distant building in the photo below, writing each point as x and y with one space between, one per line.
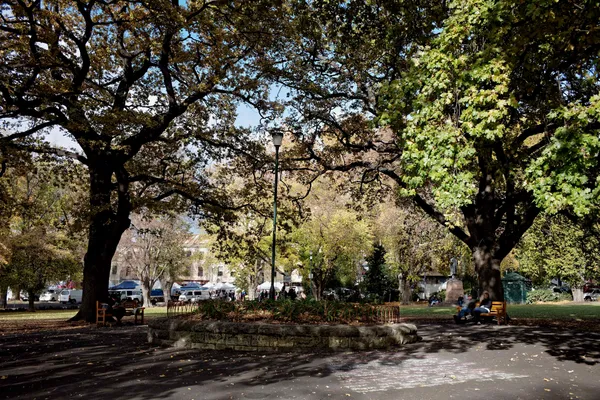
203 266
430 283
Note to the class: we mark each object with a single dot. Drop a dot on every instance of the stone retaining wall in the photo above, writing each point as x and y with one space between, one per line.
270 337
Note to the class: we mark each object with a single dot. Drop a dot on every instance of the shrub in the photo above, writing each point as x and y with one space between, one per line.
442 295
304 311
547 295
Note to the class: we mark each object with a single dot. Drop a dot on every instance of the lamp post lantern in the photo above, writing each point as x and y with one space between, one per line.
277 136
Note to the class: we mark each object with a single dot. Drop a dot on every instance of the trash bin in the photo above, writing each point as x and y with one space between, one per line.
515 288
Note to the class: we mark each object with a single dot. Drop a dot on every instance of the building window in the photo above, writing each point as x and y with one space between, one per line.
188 253
220 272
200 271
114 269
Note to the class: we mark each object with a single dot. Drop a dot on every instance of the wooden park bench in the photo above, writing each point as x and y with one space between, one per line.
498 310
131 308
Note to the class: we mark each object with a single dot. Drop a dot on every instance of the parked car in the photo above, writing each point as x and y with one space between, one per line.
128 294
592 296
72 296
25 296
157 296
192 296
50 295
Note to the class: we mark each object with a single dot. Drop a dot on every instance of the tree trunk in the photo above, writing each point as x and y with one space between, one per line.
488 273
578 294
146 290
31 300
4 297
106 229
404 288
167 287
406 292
16 294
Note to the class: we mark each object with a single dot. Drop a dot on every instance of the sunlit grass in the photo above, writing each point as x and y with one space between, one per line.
65 314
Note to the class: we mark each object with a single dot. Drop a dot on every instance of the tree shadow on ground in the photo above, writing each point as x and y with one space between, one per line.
563 344
117 363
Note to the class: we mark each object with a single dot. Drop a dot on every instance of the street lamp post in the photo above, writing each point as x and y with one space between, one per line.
277 136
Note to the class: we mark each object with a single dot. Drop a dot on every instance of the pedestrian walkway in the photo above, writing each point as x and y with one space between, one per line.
477 362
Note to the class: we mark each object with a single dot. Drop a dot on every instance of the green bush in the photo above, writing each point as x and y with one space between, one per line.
547 295
565 297
442 295
305 311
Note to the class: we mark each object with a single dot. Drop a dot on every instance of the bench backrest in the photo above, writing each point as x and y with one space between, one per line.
130 304
498 305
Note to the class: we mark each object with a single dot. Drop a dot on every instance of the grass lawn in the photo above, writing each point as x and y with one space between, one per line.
568 311
65 314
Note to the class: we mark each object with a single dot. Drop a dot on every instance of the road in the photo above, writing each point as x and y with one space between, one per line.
452 362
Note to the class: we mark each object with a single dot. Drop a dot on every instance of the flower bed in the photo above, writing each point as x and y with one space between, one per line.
299 311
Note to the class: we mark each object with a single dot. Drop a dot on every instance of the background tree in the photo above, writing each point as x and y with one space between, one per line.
38 258
44 236
147 91
153 249
555 247
336 236
415 244
377 280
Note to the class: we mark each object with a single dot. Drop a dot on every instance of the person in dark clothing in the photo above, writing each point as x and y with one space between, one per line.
485 306
292 294
115 308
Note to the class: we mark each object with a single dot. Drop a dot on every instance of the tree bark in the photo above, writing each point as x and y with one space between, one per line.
106 228
406 293
488 273
167 286
16 294
4 297
578 294
404 288
31 300
146 290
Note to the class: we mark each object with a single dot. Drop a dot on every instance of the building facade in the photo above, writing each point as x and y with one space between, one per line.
202 265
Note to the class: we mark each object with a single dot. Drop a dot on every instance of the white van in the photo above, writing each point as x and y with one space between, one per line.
128 294
70 296
192 296
50 295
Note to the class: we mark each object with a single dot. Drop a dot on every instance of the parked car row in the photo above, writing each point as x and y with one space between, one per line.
72 296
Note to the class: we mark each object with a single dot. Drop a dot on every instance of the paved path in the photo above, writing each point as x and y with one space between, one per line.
472 362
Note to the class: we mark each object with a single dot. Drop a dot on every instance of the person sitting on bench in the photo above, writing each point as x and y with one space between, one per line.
464 312
115 308
485 305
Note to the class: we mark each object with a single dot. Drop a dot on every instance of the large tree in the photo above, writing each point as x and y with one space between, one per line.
488 111
147 90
